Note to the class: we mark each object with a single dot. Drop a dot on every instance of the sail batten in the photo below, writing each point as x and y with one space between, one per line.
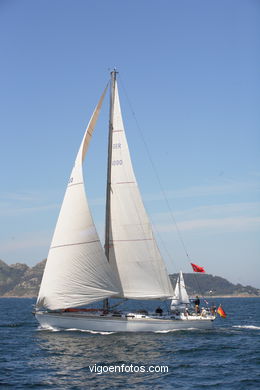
75 243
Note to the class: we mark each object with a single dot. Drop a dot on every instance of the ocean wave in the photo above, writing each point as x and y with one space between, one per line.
49 328
173 330
53 329
88 331
15 324
246 327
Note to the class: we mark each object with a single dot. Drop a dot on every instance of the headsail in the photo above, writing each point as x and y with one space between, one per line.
77 271
180 294
133 252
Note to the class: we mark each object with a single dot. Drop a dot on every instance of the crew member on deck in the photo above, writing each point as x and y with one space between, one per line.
197 304
159 311
213 309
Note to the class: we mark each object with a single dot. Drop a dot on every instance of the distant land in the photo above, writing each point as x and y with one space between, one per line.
20 280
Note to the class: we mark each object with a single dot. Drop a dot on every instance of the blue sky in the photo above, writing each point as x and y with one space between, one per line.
189 70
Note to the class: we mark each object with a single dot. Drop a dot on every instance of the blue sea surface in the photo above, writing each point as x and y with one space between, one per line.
227 357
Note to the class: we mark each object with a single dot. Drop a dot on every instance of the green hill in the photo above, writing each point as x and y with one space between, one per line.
19 280
207 285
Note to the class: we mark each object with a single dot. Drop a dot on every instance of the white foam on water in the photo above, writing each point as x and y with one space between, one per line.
49 328
88 331
53 329
173 330
166 331
246 327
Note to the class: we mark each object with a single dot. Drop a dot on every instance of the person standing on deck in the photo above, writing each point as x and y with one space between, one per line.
197 304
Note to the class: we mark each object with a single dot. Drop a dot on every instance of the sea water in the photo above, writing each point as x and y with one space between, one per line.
227 357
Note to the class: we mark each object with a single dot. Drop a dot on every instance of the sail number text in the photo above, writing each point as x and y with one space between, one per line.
117 162
117 146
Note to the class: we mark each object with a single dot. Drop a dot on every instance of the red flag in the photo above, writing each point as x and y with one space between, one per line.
221 312
197 268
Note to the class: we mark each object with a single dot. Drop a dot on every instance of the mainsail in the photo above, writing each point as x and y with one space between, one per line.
77 271
180 294
133 252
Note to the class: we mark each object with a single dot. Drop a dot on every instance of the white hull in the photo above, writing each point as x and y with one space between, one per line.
137 323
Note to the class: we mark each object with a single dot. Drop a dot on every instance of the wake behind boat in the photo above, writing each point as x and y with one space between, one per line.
79 271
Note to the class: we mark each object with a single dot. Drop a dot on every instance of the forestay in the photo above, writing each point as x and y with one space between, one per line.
77 271
133 252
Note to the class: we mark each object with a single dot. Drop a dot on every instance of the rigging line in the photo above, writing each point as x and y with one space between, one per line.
119 303
188 258
167 306
156 173
162 243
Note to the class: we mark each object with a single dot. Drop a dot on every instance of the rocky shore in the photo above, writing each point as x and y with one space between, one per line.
21 281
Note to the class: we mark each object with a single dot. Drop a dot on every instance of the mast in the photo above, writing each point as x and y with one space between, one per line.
109 156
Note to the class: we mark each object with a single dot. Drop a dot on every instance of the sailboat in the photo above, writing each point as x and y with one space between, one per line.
180 299
79 271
